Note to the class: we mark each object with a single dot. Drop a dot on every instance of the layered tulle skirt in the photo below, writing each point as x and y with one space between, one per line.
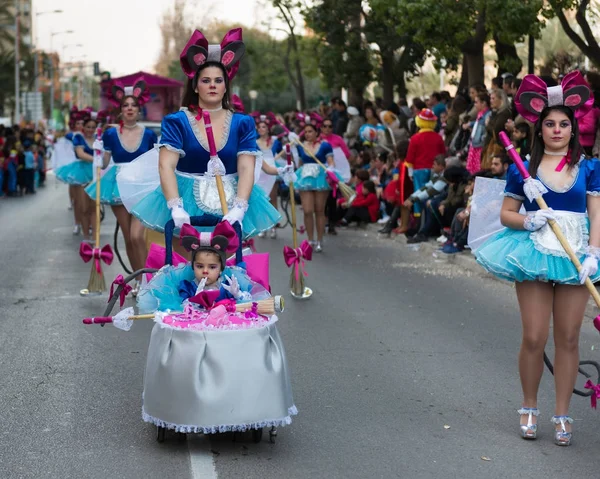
200 196
109 189
76 173
312 177
516 255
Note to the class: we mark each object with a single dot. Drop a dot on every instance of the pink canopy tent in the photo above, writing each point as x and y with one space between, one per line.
165 94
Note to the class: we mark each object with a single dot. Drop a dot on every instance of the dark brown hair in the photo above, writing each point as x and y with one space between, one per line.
190 97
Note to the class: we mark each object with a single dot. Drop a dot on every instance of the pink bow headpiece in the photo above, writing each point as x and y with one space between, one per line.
268 118
119 280
533 96
139 91
238 104
223 237
198 51
105 254
296 257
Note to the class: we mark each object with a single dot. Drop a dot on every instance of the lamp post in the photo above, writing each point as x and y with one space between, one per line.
52 35
253 94
35 58
17 60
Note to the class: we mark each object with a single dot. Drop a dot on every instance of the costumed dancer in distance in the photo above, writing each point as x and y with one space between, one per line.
187 188
270 147
80 173
527 251
75 127
312 182
125 143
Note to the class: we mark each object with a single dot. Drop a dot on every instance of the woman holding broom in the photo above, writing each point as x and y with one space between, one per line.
528 252
186 189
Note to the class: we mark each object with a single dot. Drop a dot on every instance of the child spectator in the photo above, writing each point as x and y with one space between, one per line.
365 207
521 138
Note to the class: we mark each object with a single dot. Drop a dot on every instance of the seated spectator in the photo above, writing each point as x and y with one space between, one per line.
499 166
359 177
365 207
440 210
459 229
521 138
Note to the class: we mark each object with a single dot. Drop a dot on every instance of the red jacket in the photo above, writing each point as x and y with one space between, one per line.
370 201
423 148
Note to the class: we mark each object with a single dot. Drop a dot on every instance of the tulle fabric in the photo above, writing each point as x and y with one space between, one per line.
109 189
511 255
307 182
77 173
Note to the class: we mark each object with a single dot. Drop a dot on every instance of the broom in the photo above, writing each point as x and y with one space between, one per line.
347 192
215 158
295 255
96 283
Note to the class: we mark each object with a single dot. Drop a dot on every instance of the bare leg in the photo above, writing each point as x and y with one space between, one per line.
569 308
535 302
308 208
320 202
124 220
81 203
273 195
72 199
138 242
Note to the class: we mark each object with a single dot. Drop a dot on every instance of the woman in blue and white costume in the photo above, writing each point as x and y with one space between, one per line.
547 284
80 172
187 187
125 143
64 153
312 182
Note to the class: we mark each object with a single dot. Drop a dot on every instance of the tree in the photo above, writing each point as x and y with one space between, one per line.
586 41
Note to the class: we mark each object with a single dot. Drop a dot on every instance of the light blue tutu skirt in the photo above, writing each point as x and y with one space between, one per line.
200 197
516 255
109 190
76 173
311 177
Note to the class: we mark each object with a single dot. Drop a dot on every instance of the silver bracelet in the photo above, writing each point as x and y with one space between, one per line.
173 202
593 251
240 203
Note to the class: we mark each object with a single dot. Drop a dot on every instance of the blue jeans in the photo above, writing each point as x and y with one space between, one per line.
420 179
12 177
1 180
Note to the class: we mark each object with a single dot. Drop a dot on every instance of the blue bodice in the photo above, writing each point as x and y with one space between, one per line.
180 132
586 181
277 147
69 136
112 142
79 140
322 153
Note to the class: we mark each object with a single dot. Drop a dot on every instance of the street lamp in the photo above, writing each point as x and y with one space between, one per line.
253 94
35 57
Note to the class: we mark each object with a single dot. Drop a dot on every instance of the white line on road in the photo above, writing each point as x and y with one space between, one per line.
201 459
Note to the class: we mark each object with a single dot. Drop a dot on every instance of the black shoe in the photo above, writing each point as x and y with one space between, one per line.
343 222
386 230
418 238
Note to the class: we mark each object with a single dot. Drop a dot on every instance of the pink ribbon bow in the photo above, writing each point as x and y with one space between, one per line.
332 180
595 392
297 257
87 252
222 229
119 280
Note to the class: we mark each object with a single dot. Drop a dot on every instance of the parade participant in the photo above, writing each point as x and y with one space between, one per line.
80 172
527 251
125 143
312 182
270 147
187 187
75 127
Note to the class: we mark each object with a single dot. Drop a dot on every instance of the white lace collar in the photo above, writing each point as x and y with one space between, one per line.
139 142
574 173
203 141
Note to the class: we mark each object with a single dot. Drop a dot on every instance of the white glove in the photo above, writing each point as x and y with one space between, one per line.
293 137
588 268
284 170
179 215
537 220
233 287
237 213
98 145
201 285
98 160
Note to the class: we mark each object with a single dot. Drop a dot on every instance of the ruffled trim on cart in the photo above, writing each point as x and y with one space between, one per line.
200 328
292 411
171 148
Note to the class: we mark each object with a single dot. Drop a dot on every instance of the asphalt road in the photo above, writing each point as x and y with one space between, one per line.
403 366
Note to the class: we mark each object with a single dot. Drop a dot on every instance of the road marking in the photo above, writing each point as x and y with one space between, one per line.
201 459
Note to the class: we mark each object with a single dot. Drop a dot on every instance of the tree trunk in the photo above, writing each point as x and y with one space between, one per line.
300 93
508 59
387 76
474 63
401 88
463 84
472 51
355 97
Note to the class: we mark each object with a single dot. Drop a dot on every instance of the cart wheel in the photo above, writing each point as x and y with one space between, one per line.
272 435
160 434
257 435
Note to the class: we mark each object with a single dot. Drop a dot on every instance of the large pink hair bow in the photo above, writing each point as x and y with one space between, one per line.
139 91
198 51
238 104
296 257
223 229
88 252
533 96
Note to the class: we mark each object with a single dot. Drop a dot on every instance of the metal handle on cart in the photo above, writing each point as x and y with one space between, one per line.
204 220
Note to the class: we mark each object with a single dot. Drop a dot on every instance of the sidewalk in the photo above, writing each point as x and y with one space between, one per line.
466 261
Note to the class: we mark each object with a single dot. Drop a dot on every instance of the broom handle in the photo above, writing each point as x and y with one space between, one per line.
567 247
213 152
288 153
97 238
